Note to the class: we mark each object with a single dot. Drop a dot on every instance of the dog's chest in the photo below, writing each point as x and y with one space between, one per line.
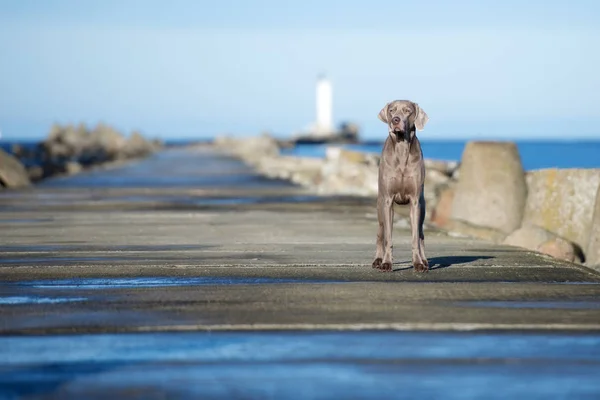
399 175
402 183
401 186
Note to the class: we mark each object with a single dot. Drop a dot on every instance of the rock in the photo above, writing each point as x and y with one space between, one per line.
593 246
12 172
339 154
349 173
69 149
340 172
17 150
35 173
57 151
333 153
445 167
463 228
529 237
55 132
300 170
66 142
562 249
73 167
137 146
250 149
76 139
456 173
69 143
434 182
536 238
562 201
107 141
435 178
491 191
443 209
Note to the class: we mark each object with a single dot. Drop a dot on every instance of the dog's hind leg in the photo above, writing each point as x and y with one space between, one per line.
422 213
417 234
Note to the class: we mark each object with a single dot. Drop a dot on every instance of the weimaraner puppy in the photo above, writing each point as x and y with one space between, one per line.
401 179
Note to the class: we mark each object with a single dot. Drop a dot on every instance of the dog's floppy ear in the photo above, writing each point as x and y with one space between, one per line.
383 114
421 118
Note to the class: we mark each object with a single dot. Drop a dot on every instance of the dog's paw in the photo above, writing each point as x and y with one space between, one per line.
421 267
386 267
377 263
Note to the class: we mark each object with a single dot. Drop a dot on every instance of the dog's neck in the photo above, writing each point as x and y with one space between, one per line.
402 152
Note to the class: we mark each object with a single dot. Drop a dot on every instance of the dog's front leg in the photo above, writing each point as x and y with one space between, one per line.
415 225
380 235
388 221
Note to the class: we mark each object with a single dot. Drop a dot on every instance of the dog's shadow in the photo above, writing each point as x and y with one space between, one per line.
445 262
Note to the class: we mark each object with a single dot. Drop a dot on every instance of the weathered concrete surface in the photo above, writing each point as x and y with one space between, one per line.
491 191
193 214
562 201
593 249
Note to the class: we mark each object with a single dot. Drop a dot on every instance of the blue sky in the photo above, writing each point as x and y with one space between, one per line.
199 68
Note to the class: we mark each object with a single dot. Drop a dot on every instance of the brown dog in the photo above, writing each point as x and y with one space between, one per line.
401 179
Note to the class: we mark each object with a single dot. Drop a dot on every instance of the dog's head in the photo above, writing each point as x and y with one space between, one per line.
403 118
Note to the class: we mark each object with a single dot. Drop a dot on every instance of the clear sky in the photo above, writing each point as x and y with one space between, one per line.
184 68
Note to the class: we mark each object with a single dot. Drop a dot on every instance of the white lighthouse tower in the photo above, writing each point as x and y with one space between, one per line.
324 123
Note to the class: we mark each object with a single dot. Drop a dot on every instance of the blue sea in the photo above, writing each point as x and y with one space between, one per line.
534 154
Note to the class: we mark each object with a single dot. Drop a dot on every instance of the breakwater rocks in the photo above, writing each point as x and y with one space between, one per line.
487 195
12 173
340 172
552 211
69 149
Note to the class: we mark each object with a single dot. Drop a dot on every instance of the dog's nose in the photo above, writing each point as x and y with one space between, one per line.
395 120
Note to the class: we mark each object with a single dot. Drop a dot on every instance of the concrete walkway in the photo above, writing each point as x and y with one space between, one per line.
188 240
187 276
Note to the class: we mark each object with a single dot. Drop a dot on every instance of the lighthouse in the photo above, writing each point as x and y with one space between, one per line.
324 123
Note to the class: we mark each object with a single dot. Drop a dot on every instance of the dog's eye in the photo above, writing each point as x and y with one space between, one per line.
407 110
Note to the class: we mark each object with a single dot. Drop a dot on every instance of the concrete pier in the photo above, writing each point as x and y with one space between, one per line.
190 241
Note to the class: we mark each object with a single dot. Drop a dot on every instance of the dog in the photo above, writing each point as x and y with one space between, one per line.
401 180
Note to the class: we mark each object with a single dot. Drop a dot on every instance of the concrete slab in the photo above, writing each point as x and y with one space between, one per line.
289 260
